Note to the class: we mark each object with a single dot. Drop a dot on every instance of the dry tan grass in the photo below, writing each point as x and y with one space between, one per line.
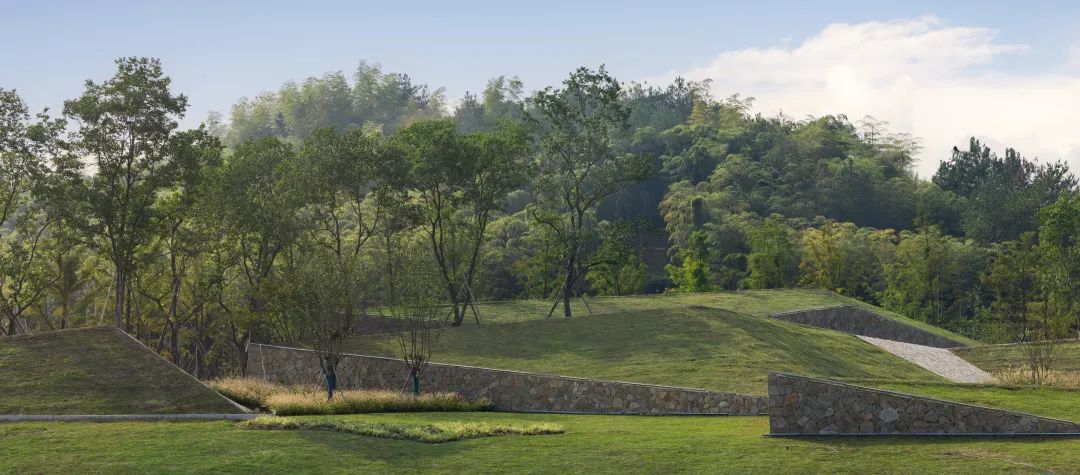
310 400
250 392
1053 378
364 401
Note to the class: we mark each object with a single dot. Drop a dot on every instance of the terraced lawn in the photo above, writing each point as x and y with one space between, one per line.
688 346
1042 401
750 302
96 371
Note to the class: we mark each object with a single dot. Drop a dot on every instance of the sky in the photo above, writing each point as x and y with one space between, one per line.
1006 72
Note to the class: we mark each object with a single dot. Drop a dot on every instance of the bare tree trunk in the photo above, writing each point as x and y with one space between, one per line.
568 287
118 315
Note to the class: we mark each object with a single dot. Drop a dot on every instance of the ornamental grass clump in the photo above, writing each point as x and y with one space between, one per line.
427 433
310 400
362 401
250 392
1050 378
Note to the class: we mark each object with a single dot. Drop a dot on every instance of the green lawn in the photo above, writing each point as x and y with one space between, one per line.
758 303
996 358
95 371
1040 401
591 444
691 347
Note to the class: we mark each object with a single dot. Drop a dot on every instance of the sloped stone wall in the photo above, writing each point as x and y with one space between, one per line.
507 390
800 405
859 321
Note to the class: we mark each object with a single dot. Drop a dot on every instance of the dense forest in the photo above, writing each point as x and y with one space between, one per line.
331 194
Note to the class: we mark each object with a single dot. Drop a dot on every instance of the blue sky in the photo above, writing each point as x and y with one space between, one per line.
219 51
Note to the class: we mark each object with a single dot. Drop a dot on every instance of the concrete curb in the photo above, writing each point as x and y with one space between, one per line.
125 417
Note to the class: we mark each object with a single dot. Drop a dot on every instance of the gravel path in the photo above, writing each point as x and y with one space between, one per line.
938 360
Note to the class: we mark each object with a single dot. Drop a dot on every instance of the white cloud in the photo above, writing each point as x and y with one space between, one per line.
935 81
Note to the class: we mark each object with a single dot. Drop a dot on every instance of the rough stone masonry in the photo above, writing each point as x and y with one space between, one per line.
800 405
507 390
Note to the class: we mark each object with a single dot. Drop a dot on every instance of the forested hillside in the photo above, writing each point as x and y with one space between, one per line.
336 195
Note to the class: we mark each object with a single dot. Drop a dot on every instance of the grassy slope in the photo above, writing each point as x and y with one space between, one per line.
996 358
751 302
1041 401
591 444
95 371
691 347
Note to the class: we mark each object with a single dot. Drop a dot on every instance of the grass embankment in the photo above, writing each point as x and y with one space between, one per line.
300 400
690 347
1001 358
1041 401
591 444
435 433
757 303
96 371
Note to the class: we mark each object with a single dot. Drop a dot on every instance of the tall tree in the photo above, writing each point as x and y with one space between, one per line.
256 201
578 164
1014 280
127 128
1059 237
348 180
460 182
774 257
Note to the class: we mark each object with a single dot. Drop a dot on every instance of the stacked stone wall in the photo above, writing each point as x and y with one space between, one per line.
507 390
859 321
800 405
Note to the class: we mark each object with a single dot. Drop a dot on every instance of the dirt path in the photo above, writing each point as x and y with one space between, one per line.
937 360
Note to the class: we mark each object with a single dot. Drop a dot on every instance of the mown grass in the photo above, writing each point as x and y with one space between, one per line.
435 433
590 444
757 303
690 347
1041 401
95 371
300 400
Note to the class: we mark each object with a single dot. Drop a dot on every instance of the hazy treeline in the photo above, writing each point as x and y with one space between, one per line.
321 198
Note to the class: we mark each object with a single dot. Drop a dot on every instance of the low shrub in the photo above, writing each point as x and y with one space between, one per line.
428 433
364 401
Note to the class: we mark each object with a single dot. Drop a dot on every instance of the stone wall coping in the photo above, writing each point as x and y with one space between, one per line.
876 314
911 396
526 373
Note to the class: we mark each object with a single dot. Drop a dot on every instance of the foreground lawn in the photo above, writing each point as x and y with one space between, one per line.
95 371
757 303
997 358
591 444
691 347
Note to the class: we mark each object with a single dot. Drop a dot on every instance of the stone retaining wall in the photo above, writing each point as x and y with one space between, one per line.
859 321
800 405
507 390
